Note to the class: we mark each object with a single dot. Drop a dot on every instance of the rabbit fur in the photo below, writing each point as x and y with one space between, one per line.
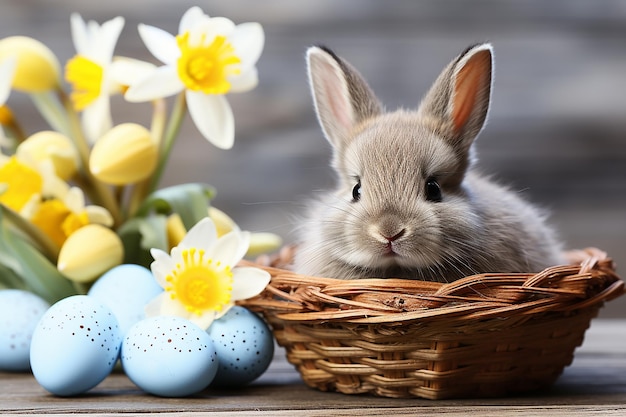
408 201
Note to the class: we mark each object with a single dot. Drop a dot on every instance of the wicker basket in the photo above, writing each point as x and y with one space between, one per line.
482 336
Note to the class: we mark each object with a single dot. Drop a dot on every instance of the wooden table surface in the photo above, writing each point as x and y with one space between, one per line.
595 384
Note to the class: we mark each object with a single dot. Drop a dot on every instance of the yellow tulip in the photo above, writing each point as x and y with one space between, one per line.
53 146
223 222
89 252
126 154
176 230
37 69
261 243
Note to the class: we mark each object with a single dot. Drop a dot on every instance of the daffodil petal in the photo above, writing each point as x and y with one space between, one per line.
99 215
242 249
190 19
75 199
96 119
7 70
162 265
223 311
213 118
245 81
223 25
129 71
225 249
216 26
170 307
106 39
203 320
248 40
31 206
160 43
79 33
162 82
54 187
153 308
92 30
176 255
201 235
248 282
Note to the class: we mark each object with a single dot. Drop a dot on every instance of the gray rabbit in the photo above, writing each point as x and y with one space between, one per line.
408 203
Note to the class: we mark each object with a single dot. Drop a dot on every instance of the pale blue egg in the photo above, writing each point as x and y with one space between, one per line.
169 356
244 345
74 346
126 289
20 312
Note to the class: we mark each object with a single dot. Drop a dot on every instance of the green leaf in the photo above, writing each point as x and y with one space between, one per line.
29 232
40 275
140 234
9 279
23 266
190 201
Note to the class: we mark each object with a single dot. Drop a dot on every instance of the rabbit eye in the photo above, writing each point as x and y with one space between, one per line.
433 190
356 191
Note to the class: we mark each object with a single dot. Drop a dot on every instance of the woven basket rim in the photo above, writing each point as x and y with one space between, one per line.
590 279
481 336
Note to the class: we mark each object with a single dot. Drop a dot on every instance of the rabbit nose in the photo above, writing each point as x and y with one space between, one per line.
394 237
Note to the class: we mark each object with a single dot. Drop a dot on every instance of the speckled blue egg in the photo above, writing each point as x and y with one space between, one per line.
169 356
126 289
74 346
20 312
244 345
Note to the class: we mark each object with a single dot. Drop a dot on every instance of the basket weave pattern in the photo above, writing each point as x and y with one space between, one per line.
482 336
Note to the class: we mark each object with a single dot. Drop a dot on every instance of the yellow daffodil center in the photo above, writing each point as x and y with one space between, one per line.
20 182
204 67
200 284
57 221
86 79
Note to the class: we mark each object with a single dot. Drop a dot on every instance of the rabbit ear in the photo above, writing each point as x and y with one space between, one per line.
342 97
459 98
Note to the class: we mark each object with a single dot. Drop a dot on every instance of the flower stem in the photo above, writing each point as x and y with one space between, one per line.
52 111
159 117
100 192
169 138
142 189
80 287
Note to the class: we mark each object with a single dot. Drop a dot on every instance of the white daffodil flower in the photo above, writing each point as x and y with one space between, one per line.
127 71
200 277
209 58
89 72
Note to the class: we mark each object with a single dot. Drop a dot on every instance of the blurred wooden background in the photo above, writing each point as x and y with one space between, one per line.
557 129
